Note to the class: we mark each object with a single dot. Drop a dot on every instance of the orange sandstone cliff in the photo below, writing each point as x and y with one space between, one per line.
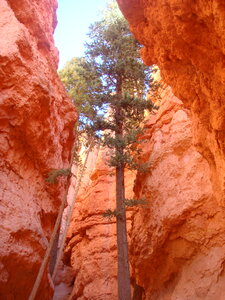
36 120
186 39
177 245
183 253
177 241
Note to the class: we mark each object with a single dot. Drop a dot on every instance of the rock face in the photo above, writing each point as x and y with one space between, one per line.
65 274
36 121
177 242
186 39
178 254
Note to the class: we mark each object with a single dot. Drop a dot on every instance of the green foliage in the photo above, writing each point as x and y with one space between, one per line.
109 213
109 88
111 78
54 174
82 82
128 202
134 202
114 53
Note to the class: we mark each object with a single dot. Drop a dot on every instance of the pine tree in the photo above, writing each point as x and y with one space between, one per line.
82 82
115 94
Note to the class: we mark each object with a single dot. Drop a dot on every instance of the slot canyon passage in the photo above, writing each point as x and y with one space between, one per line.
177 240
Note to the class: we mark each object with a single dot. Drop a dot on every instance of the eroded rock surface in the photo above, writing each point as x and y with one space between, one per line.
186 39
36 121
177 241
184 244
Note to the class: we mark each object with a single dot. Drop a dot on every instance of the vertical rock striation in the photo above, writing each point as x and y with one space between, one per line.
36 124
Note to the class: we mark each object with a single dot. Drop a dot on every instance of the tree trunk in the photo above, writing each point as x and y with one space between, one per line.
123 273
124 292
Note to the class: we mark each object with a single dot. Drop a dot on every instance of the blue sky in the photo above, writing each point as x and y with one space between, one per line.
74 18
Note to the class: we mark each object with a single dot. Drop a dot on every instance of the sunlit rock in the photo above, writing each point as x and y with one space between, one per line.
36 136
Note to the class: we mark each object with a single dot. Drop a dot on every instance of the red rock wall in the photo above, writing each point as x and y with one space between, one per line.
186 39
36 120
65 274
177 241
179 252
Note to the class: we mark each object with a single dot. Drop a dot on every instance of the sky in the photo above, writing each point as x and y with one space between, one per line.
74 18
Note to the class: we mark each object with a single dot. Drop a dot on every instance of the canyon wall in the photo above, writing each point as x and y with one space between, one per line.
37 122
179 252
186 39
177 240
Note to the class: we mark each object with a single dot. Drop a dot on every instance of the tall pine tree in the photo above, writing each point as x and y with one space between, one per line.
110 92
